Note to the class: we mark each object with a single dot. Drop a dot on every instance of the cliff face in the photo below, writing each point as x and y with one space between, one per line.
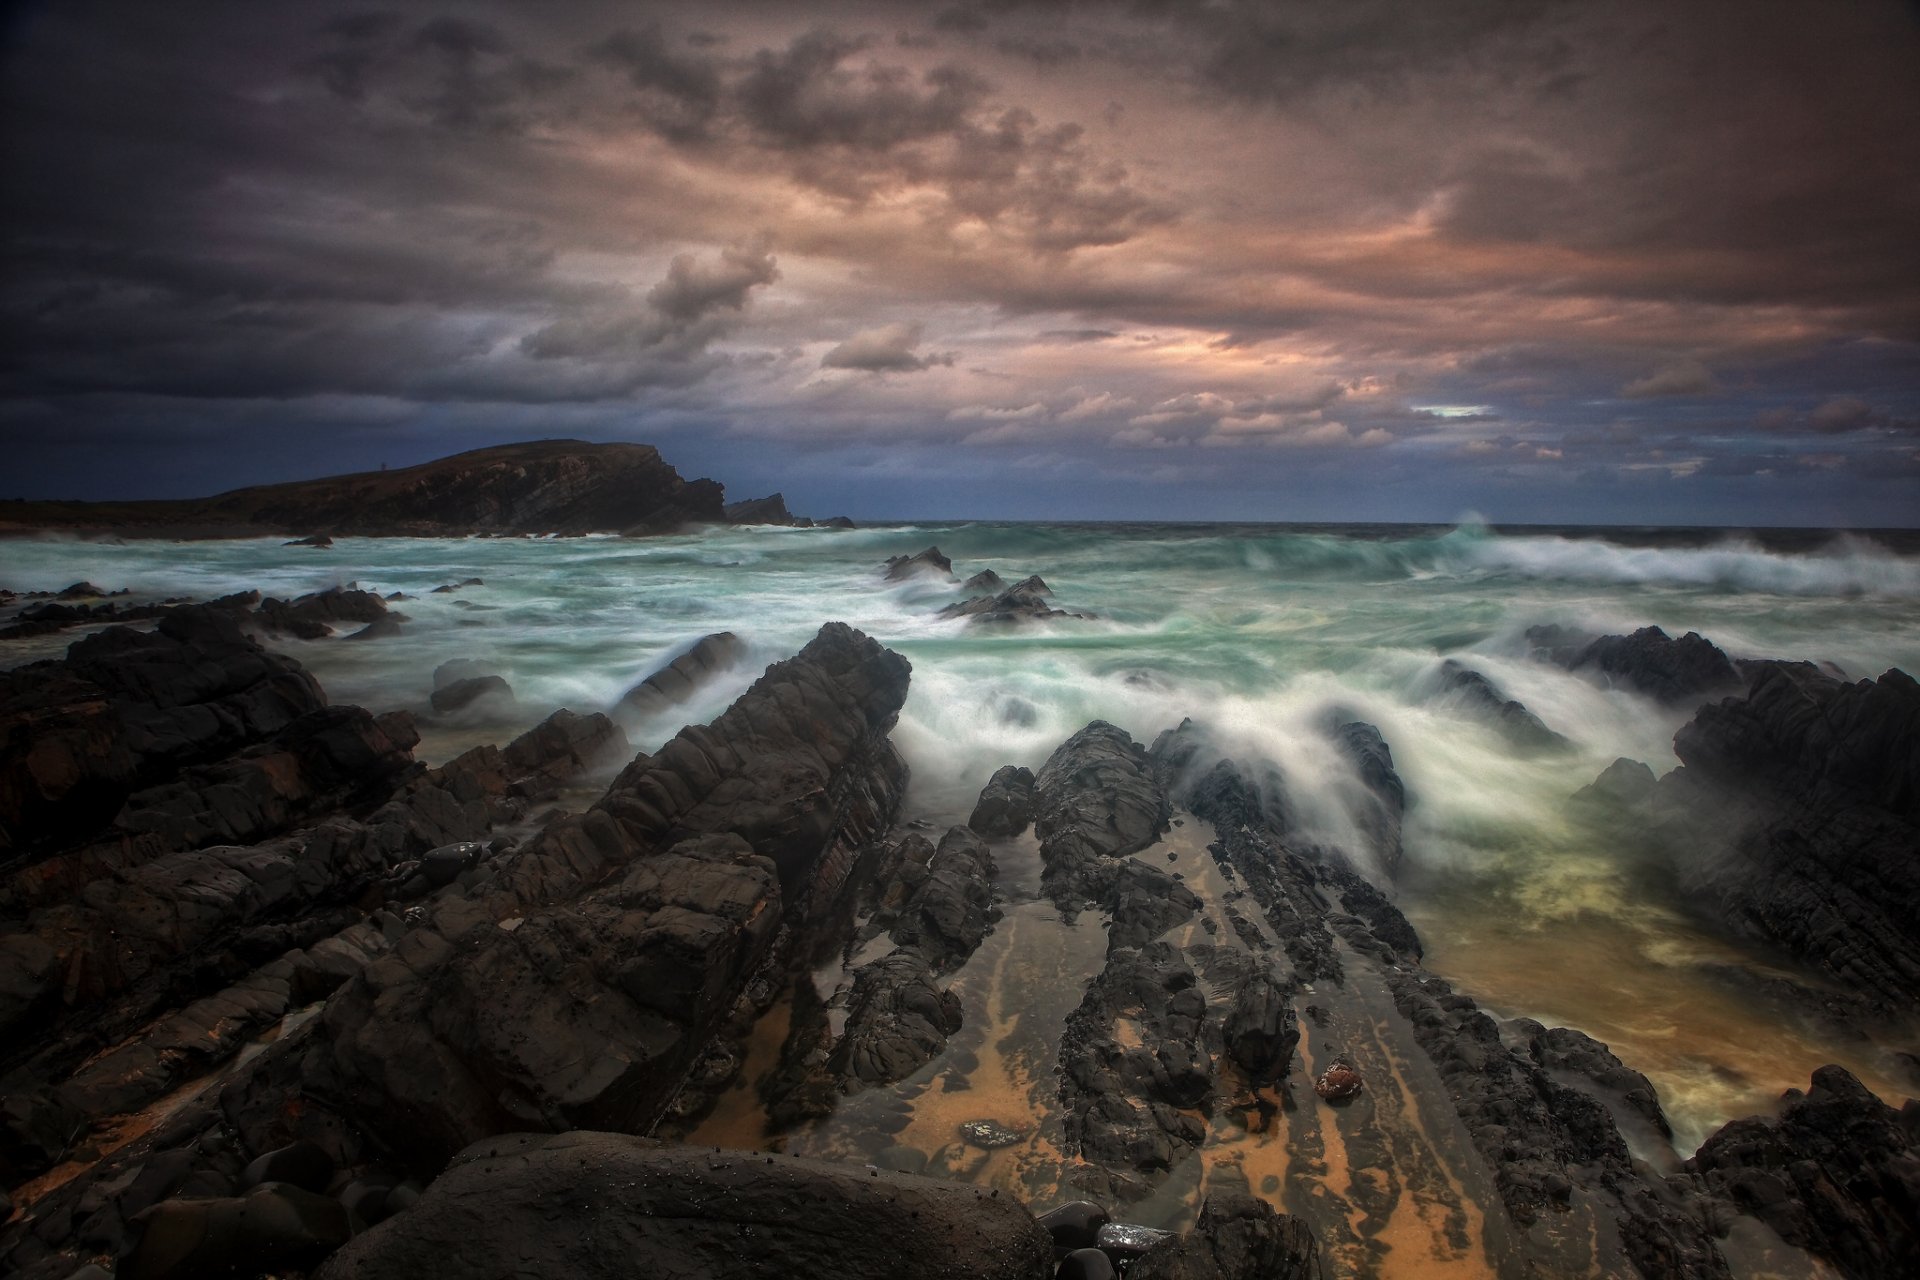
542 486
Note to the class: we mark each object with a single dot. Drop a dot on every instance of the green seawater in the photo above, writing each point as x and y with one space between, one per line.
1255 630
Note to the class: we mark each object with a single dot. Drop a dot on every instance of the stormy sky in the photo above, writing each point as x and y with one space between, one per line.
1139 259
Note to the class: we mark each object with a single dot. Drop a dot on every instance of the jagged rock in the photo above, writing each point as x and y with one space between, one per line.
1261 1030
561 747
461 694
448 588
1838 1174
591 1009
1622 788
1096 798
1485 700
311 540
1023 601
603 1205
676 682
768 510
1793 820
311 617
929 561
985 582
1379 808
1649 661
1005 806
897 1020
952 908
1144 903
1237 1237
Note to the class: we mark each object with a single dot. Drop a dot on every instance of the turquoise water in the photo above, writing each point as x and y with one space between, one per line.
1256 629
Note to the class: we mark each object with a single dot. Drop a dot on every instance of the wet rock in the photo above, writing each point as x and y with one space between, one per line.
302 1163
1237 1237
1261 1029
951 910
681 678
837 522
1623 788
1837 1175
1005 806
1485 700
271 1227
1380 806
1085 1264
449 588
1074 1225
1024 601
313 616
456 670
1571 1053
461 694
898 1018
604 1205
1793 819
640 921
1649 661
312 540
985 582
559 749
1097 798
1339 1082
928 562
990 1134
768 510
1125 1243
1144 903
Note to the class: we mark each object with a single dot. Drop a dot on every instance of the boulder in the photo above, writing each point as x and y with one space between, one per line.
1261 1030
985 582
273 1227
1005 806
604 1205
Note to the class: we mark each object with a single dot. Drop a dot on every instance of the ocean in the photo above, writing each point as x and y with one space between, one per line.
1257 630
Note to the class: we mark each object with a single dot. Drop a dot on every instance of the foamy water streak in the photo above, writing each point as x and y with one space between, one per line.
1260 631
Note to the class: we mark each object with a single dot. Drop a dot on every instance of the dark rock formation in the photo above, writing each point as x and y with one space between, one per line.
1024 601
1794 819
603 1205
314 616
676 682
1097 798
312 540
461 694
589 1011
985 582
1484 700
1837 1175
1649 661
1134 1109
1261 1029
1237 1237
1379 807
768 510
1005 806
930 561
1622 788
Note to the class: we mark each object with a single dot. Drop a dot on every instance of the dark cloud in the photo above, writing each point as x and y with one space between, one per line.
892 348
1681 378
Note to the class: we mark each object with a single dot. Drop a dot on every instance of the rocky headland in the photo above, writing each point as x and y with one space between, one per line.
540 487
277 997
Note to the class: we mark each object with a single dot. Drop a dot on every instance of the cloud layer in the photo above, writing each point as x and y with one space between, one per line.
1259 259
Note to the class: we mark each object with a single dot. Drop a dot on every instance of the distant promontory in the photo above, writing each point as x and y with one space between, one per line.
534 487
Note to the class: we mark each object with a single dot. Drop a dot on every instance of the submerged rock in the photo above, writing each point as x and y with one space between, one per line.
1485 700
461 694
929 562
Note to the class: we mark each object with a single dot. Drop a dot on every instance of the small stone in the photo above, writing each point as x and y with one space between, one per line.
989 1134
1338 1082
